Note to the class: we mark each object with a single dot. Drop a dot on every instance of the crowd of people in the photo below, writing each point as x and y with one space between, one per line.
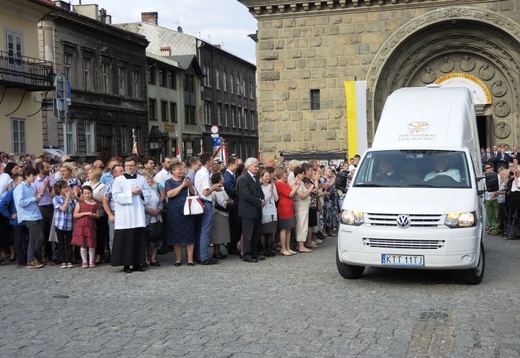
503 206
128 212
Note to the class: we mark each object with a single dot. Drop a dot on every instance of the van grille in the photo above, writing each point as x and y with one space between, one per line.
403 244
416 220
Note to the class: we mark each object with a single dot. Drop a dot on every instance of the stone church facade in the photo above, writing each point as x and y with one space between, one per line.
304 46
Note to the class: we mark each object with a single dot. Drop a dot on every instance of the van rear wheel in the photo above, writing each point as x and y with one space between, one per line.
475 275
348 271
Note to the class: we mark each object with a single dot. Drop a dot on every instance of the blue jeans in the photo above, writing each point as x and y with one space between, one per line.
206 221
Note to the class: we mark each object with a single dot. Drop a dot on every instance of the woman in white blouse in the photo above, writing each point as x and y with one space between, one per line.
269 213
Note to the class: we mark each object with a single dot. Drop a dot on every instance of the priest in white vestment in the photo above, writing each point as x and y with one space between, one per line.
130 192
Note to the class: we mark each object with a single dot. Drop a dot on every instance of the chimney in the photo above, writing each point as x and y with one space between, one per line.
166 51
150 18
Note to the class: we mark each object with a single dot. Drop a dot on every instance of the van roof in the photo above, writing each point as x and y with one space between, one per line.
427 118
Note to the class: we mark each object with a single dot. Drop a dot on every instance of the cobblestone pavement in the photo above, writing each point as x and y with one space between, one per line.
295 306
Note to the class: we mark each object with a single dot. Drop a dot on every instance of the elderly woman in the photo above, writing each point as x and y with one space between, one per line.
269 212
220 234
302 202
181 228
330 209
293 164
154 220
285 210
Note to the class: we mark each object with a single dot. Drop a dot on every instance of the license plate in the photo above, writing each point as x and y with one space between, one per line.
402 260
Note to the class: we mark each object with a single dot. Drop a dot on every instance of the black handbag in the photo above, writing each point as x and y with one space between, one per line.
154 231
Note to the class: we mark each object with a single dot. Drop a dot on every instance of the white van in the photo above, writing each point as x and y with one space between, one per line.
416 198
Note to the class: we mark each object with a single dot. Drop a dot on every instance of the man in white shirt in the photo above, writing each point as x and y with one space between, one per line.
442 169
164 174
130 193
205 191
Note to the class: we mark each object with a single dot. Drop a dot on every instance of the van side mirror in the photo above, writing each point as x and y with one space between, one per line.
492 182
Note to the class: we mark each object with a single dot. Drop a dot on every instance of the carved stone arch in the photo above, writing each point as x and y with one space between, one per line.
450 40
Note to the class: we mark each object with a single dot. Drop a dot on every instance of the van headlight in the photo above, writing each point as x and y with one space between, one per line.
454 220
351 217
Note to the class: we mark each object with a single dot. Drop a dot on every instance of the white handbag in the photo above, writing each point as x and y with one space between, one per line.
193 205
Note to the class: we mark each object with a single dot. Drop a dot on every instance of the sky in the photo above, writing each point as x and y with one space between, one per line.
220 22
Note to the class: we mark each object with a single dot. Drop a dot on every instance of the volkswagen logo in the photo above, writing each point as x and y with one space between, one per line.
403 221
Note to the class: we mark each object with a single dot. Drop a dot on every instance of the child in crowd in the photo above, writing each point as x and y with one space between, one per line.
64 205
84 234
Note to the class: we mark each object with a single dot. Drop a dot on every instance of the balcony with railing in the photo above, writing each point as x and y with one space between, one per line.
32 74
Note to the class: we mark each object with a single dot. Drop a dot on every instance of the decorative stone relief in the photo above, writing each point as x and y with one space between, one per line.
502 130
498 89
486 72
447 64
428 75
502 109
467 63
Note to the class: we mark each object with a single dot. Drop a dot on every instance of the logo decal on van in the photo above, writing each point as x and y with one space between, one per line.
417 127
403 221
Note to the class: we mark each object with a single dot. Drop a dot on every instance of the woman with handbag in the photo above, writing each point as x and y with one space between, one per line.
220 233
181 228
269 213
154 222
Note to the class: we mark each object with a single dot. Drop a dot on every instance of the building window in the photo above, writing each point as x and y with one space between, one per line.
207 112
226 116
173 112
231 84
252 90
224 81
71 138
90 139
189 115
150 74
246 118
162 78
233 118
217 78
67 66
206 81
219 114
19 146
243 88
189 83
124 139
152 109
135 84
315 99
253 120
237 87
164 111
105 84
86 74
172 82
14 47
121 74
240 117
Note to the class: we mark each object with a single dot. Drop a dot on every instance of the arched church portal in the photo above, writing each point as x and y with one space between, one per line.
458 46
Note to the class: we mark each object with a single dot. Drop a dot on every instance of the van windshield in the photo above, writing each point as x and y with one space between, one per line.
414 168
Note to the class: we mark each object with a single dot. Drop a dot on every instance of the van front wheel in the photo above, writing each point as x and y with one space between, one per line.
348 271
475 275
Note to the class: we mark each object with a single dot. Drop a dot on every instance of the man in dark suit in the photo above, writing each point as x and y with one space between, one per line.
250 203
230 186
387 172
502 159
